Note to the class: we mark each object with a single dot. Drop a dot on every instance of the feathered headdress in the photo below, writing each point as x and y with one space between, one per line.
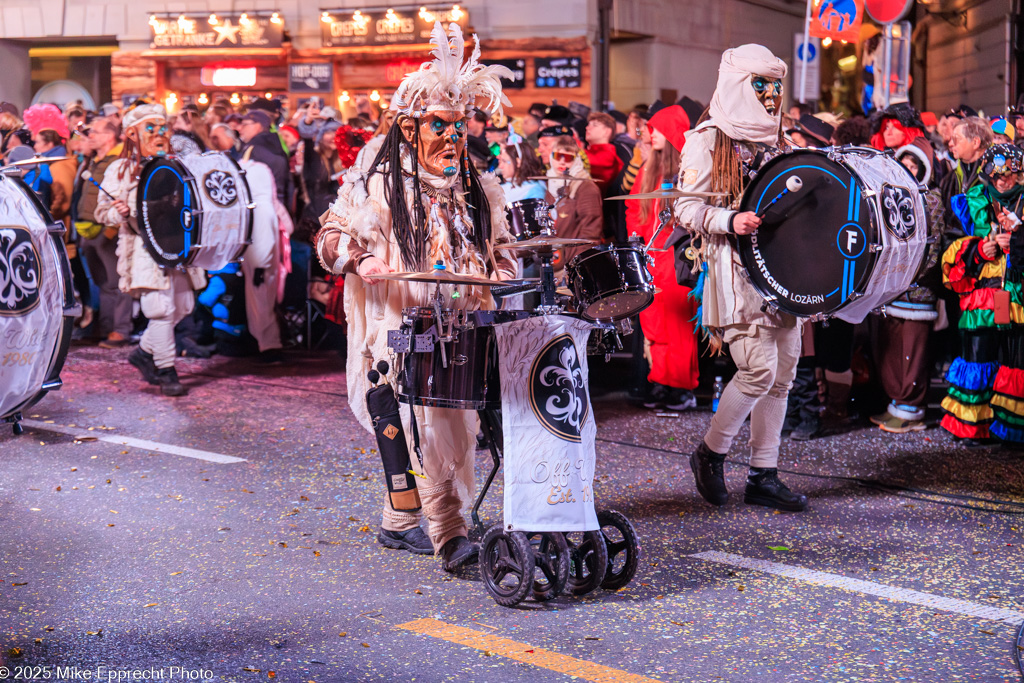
40 117
446 84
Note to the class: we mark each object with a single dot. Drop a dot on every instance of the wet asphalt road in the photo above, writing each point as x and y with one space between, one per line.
121 557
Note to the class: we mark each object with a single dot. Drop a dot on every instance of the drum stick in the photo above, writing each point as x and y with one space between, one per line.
793 184
88 176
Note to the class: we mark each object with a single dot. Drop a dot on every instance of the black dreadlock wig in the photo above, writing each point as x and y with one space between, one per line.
412 230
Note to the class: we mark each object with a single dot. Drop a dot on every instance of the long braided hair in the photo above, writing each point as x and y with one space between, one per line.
726 169
412 230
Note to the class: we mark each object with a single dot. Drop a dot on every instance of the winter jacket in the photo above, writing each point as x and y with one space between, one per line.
266 149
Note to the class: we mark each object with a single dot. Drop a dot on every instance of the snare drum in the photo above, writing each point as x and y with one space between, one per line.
610 282
848 241
195 210
529 218
466 377
37 300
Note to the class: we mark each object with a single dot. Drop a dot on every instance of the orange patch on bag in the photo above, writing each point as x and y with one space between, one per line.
690 176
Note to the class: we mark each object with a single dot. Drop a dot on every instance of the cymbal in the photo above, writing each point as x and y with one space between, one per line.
36 160
543 242
565 291
668 194
445 277
557 177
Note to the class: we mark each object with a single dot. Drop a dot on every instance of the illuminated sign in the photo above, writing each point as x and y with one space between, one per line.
558 72
518 69
343 29
311 77
228 78
211 31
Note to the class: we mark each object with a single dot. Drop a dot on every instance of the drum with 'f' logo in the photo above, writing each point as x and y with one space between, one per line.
846 239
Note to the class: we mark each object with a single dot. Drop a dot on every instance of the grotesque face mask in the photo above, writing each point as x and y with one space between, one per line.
768 91
151 136
442 140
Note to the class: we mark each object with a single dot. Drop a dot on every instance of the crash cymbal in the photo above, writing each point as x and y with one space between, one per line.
36 160
668 194
542 243
445 277
548 177
565 291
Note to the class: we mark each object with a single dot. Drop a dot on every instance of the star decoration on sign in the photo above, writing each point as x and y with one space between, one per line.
228 32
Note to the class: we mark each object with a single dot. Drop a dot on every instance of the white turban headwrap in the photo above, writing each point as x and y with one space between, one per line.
143 112
735 108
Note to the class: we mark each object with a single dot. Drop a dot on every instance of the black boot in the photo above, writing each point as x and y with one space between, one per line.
144 363
707 469
764 488
169 384
457 552
413 540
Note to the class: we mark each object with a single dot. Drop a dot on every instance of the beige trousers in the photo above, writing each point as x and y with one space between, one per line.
165 308
766 359
448 444
261 304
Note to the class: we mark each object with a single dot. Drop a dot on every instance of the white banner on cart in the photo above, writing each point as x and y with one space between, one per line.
548 424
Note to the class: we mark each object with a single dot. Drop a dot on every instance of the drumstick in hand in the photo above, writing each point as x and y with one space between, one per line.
88 176
793 184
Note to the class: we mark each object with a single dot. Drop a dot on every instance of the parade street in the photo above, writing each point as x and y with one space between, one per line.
231 535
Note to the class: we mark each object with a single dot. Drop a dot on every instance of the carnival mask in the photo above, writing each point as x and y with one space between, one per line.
442 140
151 136
768 91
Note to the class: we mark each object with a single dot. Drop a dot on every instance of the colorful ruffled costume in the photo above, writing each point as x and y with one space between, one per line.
986 393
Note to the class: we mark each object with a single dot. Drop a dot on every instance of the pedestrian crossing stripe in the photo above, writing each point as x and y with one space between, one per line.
521 652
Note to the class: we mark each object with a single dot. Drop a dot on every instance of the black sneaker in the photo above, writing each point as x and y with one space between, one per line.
656 397
458 552
764 488
680 400
808 429
169 384
144 363
413 540
270 357
708 474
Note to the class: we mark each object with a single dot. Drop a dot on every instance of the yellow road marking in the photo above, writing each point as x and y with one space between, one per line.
521 652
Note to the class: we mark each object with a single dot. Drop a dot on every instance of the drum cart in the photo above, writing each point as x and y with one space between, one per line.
50 264
514 564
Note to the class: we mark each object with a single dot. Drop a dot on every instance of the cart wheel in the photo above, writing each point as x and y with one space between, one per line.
552 554
589 561
18 429
623 549
506 565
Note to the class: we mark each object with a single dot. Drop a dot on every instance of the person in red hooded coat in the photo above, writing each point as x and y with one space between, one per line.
668 324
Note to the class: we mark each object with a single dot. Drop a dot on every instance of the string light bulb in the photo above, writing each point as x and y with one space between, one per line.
344 97
456 13
326 18
153 20
235 99
268 95
275 18
244 19
826 42
203 98
375 96
426 15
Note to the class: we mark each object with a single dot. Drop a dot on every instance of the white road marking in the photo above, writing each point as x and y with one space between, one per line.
155 446
970 609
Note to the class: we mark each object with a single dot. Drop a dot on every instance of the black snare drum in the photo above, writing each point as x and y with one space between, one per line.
529 218
610 282
465 377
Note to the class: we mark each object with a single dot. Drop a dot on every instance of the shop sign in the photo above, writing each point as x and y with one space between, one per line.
378 28
518 69
228 31
837 19
311 77
557 72
395 72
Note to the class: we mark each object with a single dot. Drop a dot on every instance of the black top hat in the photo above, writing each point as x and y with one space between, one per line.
816 128
555 132
655 107
557 112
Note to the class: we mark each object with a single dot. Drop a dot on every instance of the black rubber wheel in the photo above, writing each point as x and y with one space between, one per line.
623 549
588 561
506 565
551 553
18 429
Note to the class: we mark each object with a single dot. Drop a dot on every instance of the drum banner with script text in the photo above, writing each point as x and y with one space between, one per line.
548 424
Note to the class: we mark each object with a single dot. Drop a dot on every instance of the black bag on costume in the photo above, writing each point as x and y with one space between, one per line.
679 241
394 451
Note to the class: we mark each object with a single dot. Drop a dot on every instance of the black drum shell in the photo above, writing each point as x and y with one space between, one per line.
469 382
610 282
528 218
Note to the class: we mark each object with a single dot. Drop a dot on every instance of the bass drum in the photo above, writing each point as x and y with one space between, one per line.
37 300
195 211
848 241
